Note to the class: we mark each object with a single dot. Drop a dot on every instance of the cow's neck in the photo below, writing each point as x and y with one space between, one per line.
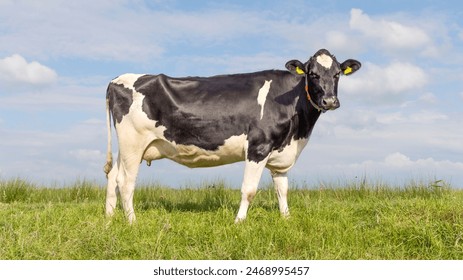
307 113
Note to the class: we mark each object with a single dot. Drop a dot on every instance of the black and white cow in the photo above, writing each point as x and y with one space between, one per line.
263 118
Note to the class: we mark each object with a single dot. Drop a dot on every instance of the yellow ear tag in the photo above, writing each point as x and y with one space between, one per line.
348 70
299 71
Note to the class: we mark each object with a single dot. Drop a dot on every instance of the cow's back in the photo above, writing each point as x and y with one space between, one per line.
203 112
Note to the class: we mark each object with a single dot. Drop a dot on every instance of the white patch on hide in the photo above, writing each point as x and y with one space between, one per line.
325 60
192 156
127 80
135 131
262 96
282 161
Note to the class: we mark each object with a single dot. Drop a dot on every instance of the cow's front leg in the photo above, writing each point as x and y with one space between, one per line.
281 187
252 173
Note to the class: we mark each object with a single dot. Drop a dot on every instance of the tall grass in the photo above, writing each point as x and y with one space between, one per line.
355 221
20 190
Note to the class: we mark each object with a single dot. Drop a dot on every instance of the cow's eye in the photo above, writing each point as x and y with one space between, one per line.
337 75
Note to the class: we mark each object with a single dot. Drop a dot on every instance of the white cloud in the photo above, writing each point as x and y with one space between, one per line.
15 70
388 34
387 81
398 162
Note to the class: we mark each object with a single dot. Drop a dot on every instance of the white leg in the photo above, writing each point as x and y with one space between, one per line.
126 178
281 186
252 173
111 195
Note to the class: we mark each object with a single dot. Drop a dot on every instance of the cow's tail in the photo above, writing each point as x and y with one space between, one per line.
109 155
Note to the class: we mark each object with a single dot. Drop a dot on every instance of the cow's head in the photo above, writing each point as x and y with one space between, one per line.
322 73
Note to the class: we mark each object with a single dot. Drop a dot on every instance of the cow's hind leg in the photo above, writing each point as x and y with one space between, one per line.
126 178
252 173
281 187
111 191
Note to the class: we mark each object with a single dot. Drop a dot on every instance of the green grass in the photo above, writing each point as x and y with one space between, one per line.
417 221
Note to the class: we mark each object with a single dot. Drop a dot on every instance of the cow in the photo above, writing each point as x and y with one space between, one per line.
263 118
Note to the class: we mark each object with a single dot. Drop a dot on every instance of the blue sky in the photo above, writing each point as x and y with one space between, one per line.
400 116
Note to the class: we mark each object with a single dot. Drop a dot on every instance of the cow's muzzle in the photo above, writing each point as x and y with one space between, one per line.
330 102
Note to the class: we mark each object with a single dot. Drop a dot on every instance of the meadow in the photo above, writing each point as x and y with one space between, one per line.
352 221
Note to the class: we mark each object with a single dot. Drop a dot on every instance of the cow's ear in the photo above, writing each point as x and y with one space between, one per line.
350 66
295 66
